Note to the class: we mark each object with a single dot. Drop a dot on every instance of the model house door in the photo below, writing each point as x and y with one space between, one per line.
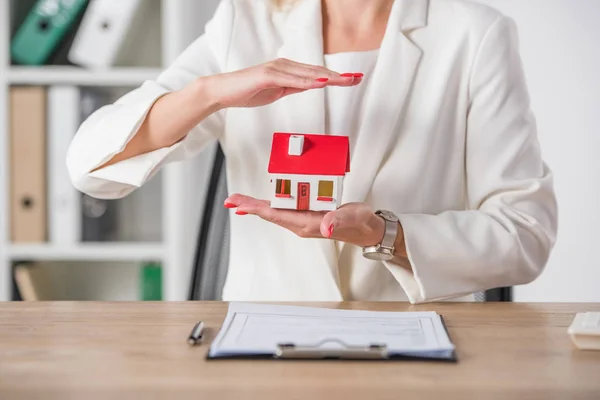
303 196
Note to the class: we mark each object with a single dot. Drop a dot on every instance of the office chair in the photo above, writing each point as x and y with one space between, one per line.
212 245
499 294
212 249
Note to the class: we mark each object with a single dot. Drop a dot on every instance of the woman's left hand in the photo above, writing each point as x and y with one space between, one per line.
353 223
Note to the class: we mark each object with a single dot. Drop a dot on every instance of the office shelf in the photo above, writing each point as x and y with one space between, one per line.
88 252
180 23
52 75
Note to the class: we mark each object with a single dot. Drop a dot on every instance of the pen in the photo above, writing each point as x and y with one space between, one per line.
196 334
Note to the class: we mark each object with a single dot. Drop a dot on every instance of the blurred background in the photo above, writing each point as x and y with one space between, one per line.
61 60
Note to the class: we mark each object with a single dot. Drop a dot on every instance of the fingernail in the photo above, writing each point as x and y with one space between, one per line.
238 212
322 79
330 233
348 75
229 205
358 75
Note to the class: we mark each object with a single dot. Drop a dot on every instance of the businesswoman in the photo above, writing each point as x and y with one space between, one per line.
447 192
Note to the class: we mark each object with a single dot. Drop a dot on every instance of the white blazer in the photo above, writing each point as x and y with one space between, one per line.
448 143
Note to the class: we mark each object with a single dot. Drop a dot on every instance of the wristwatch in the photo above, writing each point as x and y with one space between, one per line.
384 251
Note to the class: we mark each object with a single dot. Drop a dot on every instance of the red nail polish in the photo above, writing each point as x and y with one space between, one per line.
348 75
322 79
229 205
241 212
359 75
330 233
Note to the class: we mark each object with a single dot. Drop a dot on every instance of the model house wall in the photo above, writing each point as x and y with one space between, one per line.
313 180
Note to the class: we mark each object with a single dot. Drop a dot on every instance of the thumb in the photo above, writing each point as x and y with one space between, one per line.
329 223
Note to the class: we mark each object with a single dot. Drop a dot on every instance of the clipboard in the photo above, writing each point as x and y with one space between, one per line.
342 351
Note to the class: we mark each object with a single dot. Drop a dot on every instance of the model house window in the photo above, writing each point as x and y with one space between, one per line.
325 191
283 188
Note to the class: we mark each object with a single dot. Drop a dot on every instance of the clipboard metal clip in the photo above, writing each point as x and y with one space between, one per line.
342 351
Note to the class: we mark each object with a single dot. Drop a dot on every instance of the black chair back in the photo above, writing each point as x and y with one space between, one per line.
212 249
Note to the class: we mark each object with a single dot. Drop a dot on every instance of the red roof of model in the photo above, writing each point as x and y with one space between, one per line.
321 155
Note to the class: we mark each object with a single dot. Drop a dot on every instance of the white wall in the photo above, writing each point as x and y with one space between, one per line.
560 46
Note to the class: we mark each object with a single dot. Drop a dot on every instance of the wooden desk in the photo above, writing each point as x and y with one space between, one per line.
138 350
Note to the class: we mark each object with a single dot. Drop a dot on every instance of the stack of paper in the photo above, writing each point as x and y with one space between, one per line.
585 330
251 330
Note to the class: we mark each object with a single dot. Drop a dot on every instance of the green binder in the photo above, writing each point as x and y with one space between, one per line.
151 282
43 29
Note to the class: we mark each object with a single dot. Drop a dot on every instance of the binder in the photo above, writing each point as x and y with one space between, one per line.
28 164
60 55
27 278
103 30
151 282
41 281
26 283
64 201
44 29
99 217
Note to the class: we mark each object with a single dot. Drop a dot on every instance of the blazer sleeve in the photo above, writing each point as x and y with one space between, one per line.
106 132
505 236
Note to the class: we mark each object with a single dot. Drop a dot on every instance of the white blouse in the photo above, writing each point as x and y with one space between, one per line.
443 136
344 106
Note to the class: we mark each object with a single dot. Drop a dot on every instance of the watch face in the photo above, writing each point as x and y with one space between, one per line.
378 255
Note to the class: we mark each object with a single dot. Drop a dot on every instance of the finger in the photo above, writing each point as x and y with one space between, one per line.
347 79
287 80
237 200
357 79
261 208
316 72
302 83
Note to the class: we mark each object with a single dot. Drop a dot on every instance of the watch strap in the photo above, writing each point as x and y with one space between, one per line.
384 250
391 231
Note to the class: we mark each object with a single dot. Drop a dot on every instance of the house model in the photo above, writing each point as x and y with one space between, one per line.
307 171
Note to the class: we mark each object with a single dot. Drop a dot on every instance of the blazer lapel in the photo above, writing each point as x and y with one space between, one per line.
391 82
386 99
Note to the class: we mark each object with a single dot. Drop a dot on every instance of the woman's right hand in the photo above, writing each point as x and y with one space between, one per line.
266 83
175 114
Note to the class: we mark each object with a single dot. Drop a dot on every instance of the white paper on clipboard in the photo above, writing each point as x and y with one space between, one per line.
258 329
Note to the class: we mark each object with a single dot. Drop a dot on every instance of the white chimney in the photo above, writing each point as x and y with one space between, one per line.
296 145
